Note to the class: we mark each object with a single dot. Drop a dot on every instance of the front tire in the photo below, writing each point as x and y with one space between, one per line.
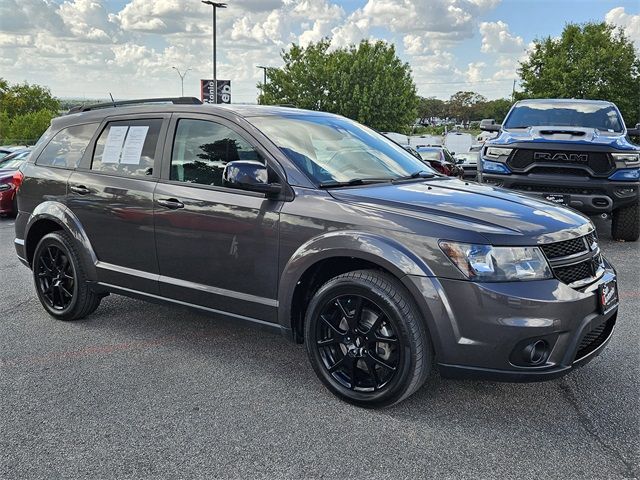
365 339
60 279
625 223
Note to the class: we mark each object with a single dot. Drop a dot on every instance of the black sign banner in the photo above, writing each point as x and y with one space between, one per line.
207 91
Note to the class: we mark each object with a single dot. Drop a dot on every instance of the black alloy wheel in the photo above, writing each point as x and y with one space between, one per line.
365 339
357 343
55 276
60 279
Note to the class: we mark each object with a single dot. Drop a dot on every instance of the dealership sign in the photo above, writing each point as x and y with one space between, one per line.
207 91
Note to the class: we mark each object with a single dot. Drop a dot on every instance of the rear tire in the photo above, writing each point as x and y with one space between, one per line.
365 339
625 223
60 278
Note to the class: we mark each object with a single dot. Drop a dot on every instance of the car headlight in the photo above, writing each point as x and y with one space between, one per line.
497 152
486 263
494 167
628 158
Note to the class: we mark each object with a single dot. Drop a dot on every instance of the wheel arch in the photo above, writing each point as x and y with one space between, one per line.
53 216
332 254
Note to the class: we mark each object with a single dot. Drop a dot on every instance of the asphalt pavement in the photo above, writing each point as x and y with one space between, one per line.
141 390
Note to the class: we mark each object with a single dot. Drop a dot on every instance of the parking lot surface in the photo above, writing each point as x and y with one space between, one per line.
140 390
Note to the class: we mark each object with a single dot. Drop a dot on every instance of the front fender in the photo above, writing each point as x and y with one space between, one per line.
385 252
63 216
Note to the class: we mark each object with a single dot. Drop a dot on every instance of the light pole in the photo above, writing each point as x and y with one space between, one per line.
265 76
215 6
182 75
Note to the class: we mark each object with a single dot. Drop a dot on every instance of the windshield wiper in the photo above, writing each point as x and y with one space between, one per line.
353 181
418 174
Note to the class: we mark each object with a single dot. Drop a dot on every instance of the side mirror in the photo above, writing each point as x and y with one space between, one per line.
489 125
634 132
249 175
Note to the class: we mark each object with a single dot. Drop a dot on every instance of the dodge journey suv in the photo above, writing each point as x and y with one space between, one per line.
315 226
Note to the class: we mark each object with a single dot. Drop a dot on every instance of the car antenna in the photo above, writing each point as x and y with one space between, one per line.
112 100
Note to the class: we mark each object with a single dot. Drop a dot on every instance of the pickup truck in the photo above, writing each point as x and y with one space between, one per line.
576 153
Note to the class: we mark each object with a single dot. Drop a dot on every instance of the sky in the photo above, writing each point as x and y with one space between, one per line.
90 48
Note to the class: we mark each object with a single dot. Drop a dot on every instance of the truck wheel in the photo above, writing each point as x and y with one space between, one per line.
625 223
61 282
365 339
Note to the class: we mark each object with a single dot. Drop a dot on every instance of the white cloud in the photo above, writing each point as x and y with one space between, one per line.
627 22
496 38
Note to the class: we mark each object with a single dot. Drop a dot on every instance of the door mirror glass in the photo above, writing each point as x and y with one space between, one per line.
249 175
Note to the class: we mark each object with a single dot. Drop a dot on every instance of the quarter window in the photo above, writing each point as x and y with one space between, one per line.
67 147
127 147
201 150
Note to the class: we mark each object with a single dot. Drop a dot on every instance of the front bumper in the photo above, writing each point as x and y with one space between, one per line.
479 329
586 194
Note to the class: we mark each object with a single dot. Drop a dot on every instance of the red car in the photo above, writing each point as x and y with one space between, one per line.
10 179
440 160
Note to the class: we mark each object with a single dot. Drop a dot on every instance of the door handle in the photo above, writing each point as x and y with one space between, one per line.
79 189
171 203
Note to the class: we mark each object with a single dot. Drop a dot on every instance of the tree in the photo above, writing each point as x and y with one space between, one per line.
430 108
25 112
366 82
465 105
496 109
590 61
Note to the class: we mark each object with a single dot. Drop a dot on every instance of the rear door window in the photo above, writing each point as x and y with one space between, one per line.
67 147
127 147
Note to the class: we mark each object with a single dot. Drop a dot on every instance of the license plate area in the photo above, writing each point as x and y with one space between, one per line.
555 198
608 296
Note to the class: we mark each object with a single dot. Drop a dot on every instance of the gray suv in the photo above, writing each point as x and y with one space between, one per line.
317 227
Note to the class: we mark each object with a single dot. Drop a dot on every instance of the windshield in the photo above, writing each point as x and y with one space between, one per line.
430 154
335 149
575 114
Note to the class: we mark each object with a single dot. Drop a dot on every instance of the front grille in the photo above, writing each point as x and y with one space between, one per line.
576 172
596 337
585 248
564 249
575 272
558 189
599 162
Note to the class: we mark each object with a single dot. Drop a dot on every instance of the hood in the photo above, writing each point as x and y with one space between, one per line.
500 216
566 135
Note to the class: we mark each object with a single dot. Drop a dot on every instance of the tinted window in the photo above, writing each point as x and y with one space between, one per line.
201 149
574 114
67 147
430 154
127 147
14 160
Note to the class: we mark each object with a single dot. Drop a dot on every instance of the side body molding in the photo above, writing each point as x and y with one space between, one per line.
63 216
383 251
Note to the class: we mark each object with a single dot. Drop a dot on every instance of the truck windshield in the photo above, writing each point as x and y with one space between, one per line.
332 149
570 114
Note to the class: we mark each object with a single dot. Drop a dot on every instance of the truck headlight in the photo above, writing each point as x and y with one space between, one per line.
628 158
486 263
497 152
494 167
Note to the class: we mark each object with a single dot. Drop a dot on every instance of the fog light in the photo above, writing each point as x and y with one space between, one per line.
536 352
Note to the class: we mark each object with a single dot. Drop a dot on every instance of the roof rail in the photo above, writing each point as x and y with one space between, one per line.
142 101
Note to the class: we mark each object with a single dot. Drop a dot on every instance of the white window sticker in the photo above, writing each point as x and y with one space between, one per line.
113 147
132 149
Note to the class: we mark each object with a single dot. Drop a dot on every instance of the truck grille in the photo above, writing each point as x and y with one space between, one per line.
588 263
599 162
558 189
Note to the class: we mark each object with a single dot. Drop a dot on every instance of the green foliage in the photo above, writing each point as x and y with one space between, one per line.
366 82
465 105
430 108
25 112
496 109
590 61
